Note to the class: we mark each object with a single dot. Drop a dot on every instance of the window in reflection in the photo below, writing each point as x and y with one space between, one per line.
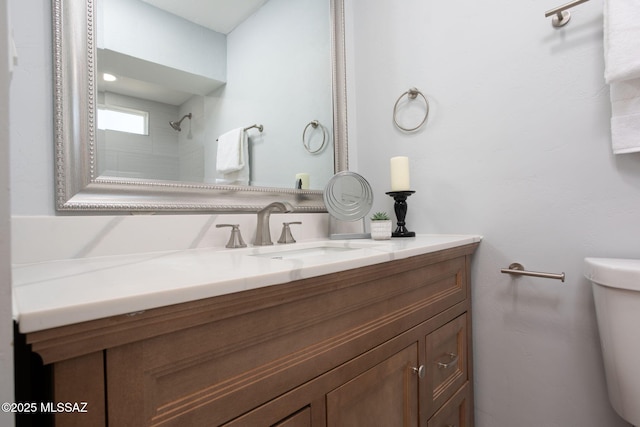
123 120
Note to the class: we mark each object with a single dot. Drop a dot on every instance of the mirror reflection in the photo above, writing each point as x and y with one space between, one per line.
231 92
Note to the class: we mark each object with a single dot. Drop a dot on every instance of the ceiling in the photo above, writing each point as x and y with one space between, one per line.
218 15
175 88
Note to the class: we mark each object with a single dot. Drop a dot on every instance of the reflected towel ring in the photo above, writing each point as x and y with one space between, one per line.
314 124
411 94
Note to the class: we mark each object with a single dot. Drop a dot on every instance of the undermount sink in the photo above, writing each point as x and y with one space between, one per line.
304 252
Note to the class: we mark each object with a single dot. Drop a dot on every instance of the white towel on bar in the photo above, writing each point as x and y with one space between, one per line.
232 160
625 116
622 72
622 40
230 156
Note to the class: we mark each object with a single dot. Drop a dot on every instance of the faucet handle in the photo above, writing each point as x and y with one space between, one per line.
286 236
235 240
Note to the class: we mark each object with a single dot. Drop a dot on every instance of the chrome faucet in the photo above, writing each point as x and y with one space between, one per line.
263 233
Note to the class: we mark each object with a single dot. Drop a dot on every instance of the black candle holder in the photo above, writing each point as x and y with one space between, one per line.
400 207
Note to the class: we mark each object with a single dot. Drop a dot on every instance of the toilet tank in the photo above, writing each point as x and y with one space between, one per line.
616 292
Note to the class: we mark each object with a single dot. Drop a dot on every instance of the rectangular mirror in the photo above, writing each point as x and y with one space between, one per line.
148 141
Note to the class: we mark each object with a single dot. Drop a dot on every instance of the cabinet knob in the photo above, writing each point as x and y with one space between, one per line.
420 371
452 361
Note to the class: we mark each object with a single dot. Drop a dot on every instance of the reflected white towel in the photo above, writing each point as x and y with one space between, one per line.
230 156
622 72
232 159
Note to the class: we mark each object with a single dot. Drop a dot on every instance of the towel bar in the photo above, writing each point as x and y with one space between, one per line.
562 16
518 270
259 127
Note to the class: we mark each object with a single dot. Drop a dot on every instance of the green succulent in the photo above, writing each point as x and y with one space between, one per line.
380 216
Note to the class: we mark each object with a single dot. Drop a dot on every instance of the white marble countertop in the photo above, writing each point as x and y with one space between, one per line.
56 293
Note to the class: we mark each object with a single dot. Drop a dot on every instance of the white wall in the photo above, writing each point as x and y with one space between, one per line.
191 140
161 38
6 328
152 156
31 112
259 90
516 148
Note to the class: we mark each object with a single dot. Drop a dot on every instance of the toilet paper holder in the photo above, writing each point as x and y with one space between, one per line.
518 269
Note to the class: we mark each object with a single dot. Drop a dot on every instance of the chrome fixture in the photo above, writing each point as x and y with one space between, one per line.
235 240
286 236
256 126
259 127
314 124
453 360
562 17
420 371
263 233
412 93
176 125
518 270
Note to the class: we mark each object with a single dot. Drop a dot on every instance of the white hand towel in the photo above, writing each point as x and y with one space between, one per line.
622 72
240 177
621 40
230 156
232 161
625 116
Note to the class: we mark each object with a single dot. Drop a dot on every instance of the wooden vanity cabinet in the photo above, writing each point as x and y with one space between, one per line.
381 345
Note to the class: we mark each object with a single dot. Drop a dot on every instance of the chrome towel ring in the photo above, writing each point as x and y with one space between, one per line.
411 94
314 124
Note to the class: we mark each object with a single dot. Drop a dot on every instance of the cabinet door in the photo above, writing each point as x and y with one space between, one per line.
455 413
446 350
385 395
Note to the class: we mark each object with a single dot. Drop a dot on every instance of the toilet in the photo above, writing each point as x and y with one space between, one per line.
616 292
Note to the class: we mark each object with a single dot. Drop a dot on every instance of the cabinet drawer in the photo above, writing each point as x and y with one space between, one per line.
302 418
456 412
446 361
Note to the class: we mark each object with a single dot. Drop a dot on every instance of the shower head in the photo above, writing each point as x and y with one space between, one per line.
176 125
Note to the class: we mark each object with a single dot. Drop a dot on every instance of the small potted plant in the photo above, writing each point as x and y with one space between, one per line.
380 226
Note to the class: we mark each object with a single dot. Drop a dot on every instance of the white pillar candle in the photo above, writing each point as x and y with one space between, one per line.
304 177
400 174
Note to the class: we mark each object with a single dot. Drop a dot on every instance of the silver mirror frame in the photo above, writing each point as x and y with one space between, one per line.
78 189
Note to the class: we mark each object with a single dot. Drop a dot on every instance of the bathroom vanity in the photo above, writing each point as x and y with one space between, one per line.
376 334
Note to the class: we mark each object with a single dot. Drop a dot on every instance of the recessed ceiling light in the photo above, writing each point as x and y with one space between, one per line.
109 77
